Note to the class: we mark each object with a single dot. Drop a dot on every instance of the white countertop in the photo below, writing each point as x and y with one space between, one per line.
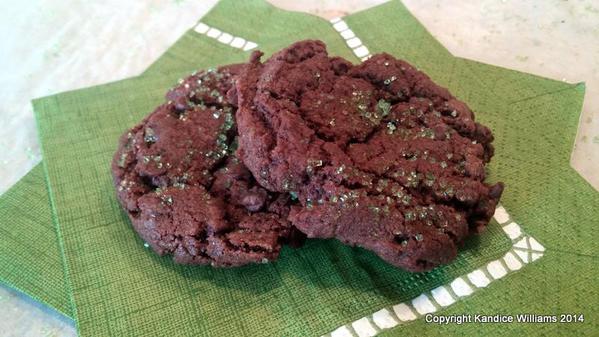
53 46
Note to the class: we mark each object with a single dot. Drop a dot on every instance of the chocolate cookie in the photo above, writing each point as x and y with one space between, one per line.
378 155
184 191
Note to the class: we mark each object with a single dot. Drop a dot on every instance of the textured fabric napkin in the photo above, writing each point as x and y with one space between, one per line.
323 286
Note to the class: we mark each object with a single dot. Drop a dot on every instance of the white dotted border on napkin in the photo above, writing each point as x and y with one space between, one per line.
225 38
352 41
525 249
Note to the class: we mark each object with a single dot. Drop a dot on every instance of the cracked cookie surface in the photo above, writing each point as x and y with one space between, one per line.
185 191
377 154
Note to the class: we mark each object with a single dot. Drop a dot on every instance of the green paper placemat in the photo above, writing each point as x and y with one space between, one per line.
490 89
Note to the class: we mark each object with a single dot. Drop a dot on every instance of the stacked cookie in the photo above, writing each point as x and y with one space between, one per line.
246 158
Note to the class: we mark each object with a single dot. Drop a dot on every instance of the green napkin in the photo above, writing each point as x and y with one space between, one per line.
29 253
325 285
